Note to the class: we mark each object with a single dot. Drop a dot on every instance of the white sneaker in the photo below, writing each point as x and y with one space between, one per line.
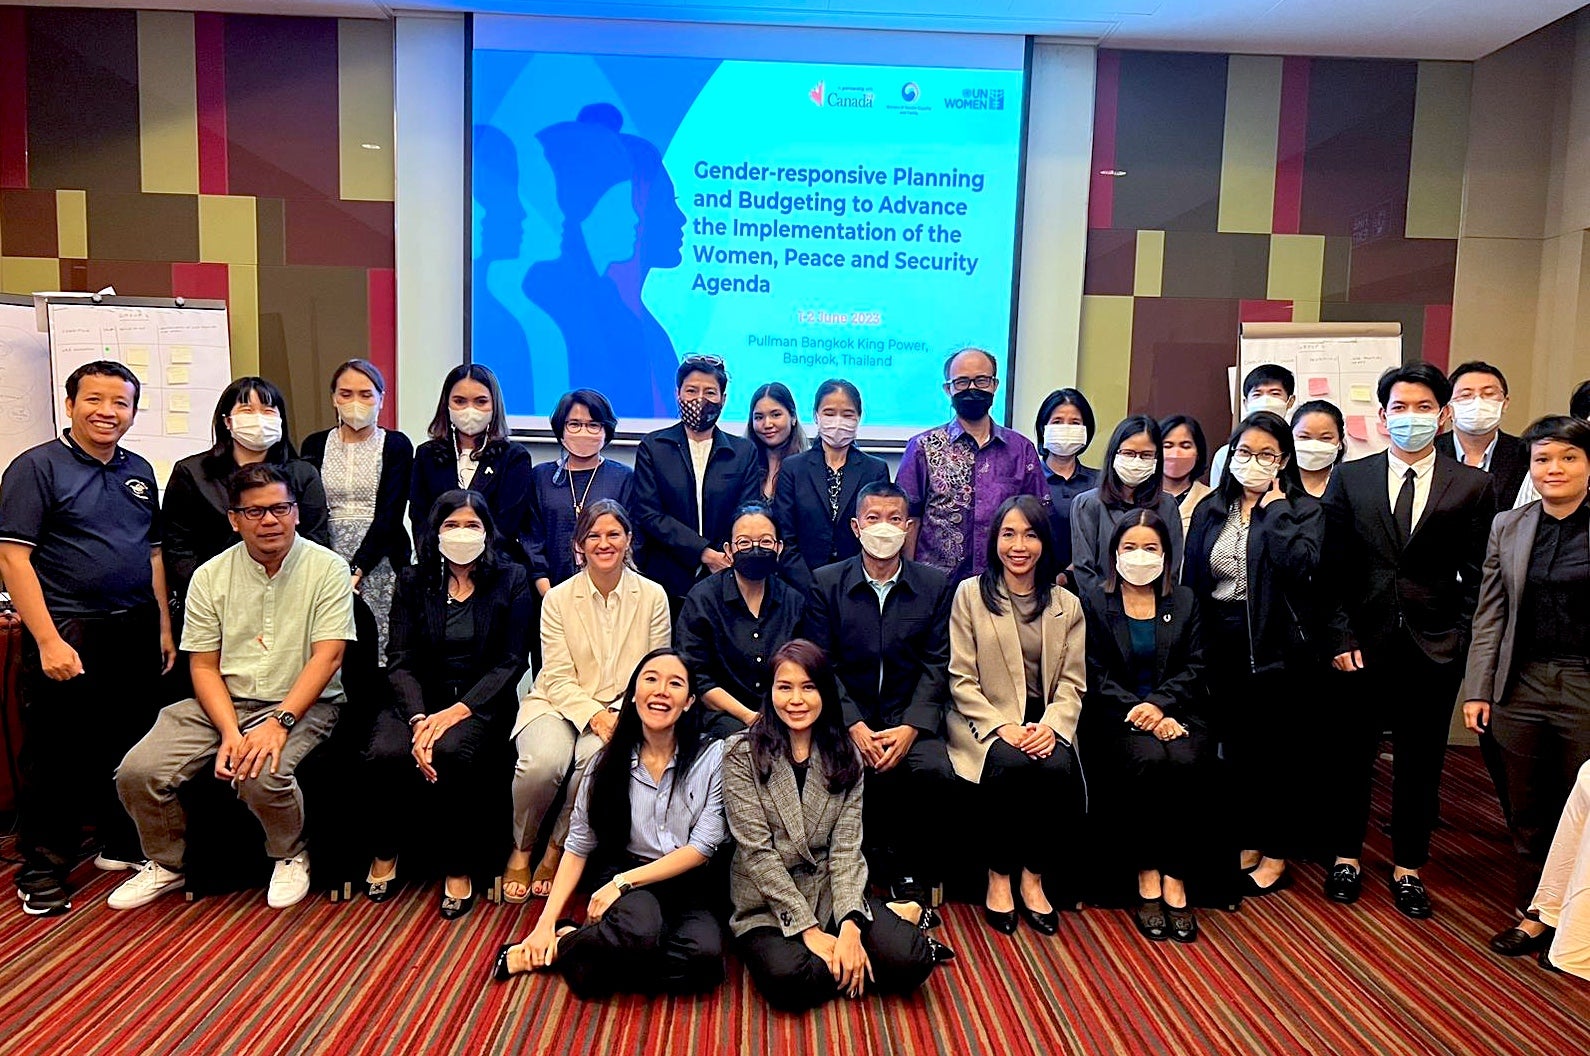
113 865
150 882
289 882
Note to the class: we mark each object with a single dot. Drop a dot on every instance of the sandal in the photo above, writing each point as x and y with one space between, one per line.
520 876
541 882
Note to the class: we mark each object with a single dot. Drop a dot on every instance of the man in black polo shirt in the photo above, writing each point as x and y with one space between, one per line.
80 554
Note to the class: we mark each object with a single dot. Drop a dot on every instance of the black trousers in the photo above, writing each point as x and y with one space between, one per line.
401 803
1162 796
1403 689
1543 731
661 938
1014 789
903 811
793 978
76 732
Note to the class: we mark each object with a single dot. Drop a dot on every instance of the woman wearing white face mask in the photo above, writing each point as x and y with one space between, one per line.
365 470
1143 732
1134 466
1319 433
817 488
1252 555
250 425
460 630
584 424
469 447
1064 430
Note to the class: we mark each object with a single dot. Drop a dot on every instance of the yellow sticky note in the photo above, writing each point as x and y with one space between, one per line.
1362 394
176 424
181 354
180 401
176 375
143 400
138 356
162 470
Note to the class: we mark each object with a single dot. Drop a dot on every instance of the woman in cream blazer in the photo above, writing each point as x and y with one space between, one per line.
595 628
1017 674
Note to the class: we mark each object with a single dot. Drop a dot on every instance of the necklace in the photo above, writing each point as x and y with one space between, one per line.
579 503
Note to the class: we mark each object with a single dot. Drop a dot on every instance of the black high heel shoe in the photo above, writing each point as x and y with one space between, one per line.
1043 923
930 919
940 953
499 967
1002 922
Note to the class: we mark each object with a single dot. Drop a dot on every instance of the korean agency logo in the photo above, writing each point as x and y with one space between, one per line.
910 92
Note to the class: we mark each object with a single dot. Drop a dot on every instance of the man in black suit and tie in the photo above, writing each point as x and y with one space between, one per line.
885 624
1405 538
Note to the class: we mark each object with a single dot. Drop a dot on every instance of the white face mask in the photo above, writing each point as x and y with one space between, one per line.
1315 455
836 431
256 432
1133 471
356 414
1261 401
1477 416
469 420
882 540
1252 475
1065 438
1140 567
462 546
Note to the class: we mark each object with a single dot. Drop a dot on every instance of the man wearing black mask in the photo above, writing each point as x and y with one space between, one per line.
733 620
689 479
956 475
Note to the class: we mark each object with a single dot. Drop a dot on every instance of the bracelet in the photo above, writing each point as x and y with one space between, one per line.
415 720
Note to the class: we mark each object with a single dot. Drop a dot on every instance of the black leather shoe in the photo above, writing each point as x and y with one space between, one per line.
1183 923
499 968
1515 942
1004 923
1344 884
940 953
1544 960
910 889
1043 923
1411 898
1151 919
1252 889
454 907
930 919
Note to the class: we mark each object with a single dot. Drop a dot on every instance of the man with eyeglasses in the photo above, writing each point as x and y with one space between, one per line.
957 474
80 552
266 624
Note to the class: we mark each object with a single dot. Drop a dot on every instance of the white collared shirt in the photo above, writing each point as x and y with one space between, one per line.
1485 459
605 608
700 458
1397 468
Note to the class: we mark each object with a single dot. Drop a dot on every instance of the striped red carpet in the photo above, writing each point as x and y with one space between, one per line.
1292 974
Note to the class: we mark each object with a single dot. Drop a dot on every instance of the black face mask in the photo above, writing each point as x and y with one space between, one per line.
755 564
972 405
699 414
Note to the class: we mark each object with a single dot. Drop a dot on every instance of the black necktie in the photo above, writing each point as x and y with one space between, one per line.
1403 511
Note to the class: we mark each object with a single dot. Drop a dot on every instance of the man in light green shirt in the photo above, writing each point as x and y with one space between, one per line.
266 622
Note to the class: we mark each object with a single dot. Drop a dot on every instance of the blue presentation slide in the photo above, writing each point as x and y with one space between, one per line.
801 220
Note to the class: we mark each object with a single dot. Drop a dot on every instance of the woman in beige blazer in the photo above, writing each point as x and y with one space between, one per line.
1018 670
595 628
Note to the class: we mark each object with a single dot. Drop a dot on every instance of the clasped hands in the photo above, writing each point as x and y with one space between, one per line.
1150 719
882 749
844 955
429 730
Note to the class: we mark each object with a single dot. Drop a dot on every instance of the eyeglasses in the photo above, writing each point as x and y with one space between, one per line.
767 542
1137 456
277 510
986 382
1263 458
583 427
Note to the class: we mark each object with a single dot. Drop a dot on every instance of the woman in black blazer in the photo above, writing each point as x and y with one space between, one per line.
249 425
817 488
1252 552
1142 720
460 636
469 447
369 469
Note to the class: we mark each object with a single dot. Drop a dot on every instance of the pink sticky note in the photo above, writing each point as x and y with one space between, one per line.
1358 427
1319 386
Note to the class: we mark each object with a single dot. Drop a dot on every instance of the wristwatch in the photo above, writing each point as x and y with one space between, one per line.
285 717
624 886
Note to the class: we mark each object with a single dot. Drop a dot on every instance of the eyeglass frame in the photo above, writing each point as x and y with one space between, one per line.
980 382
256 514
1266 459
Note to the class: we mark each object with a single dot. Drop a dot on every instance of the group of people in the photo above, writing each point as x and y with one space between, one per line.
999 641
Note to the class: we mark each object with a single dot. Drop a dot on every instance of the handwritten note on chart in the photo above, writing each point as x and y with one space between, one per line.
1340 368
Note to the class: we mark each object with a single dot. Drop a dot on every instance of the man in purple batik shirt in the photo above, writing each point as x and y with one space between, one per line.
957 474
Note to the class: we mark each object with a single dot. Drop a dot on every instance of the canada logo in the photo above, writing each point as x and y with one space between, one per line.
818 92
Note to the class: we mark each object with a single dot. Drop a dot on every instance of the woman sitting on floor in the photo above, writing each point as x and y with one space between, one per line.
648 819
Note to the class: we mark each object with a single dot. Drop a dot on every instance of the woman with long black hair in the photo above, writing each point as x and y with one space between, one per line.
646 822
792 783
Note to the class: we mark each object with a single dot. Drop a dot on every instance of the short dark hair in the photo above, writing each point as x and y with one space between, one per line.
1145 495
1478 366
1579 402
990 582
882 489
363 366
1065 398
1201 445
1268 372
595 404
1142 519
1275 427
1561 428
442 424
831 386
1416 373
104 368
953 356
756 509
237 392
257 475
702 364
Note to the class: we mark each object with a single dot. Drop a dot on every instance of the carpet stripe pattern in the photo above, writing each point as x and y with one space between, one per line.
1287 974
